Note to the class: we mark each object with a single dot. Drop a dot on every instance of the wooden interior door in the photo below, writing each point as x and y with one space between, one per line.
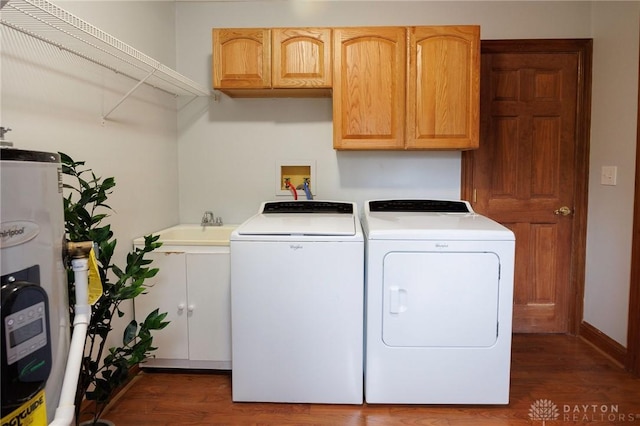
530 173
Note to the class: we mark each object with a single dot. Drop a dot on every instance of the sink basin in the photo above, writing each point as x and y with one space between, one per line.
196 235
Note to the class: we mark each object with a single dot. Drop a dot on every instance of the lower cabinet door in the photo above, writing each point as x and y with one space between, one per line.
169 294
209 308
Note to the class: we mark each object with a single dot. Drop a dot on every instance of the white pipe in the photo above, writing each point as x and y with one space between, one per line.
66 407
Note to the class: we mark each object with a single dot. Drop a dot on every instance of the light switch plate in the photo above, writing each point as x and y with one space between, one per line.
609 175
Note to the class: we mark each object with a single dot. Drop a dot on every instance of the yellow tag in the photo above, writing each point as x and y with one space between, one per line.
95 285
31 413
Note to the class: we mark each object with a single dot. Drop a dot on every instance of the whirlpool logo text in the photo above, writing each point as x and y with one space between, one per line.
17 232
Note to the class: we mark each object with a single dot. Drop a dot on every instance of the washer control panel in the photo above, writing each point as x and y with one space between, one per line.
308 207
421 206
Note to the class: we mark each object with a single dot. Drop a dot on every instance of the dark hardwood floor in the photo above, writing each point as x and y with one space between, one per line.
555 379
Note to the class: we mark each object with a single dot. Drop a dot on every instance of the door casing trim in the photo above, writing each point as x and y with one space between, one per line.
633 329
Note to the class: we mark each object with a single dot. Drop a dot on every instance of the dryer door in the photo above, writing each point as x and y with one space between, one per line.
446 299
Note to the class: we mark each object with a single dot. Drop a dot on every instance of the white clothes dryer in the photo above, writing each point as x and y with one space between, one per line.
439 291
297 304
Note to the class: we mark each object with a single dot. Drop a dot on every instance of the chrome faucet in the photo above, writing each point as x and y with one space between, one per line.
209 219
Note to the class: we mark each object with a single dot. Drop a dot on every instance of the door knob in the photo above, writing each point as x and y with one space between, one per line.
564 211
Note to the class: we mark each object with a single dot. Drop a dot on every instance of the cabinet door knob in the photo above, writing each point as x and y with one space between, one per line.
181 307
190 308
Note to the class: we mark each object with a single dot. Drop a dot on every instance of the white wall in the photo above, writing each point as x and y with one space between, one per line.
54 101
227 155
613 142
226 151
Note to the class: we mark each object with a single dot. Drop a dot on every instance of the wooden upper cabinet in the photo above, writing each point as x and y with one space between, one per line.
369 87
301 57
241 58
283 62
443 88
406 88
393 88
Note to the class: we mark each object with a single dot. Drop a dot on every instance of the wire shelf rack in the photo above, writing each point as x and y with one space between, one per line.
53 25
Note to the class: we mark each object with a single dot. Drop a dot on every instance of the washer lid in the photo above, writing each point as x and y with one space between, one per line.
302 218
429 219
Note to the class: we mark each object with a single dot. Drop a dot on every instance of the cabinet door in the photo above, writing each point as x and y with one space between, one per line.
369 74
209 306
443 89
301 57
241 58
168 293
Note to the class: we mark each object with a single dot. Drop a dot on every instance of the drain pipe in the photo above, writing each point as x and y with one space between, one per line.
79 253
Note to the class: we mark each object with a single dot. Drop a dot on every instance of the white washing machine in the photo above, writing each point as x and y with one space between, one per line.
297 301
439 291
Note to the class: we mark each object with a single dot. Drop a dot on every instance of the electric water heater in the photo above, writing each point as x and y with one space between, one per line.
35 307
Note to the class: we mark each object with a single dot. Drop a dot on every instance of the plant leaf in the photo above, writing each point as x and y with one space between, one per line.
130 332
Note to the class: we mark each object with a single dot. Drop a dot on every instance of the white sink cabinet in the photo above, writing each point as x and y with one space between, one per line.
193 287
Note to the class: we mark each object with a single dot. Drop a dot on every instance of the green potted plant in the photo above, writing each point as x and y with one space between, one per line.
104 370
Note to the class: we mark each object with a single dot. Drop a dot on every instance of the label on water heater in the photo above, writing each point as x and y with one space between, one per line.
31 413
17 232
